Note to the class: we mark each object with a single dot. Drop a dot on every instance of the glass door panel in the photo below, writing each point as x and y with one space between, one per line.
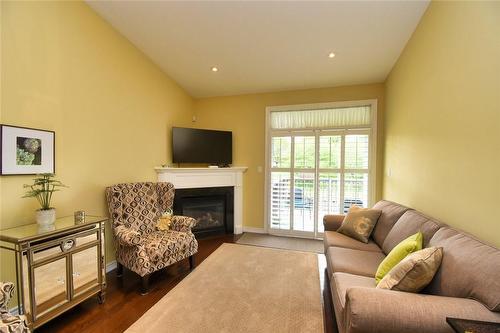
328 196
315 174
355 190
303 201
85 269
304 152
280 200
356 170
281 152
356 151
329 151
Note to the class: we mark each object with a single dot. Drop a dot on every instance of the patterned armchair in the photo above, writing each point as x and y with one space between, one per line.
134 209
10 323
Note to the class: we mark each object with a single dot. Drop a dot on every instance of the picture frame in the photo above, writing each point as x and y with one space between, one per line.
26 151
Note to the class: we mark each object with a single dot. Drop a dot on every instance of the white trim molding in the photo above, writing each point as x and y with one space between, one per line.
209 177
254 230
110 266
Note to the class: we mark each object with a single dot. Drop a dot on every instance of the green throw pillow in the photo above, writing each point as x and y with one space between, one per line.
398 253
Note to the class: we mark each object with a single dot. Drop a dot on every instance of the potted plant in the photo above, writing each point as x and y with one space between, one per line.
42 189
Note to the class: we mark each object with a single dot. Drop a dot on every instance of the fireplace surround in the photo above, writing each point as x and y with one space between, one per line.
208 178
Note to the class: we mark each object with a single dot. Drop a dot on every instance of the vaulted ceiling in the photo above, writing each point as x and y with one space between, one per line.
260 46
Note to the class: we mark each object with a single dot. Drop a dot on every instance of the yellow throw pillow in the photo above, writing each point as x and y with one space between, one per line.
164 221
398 253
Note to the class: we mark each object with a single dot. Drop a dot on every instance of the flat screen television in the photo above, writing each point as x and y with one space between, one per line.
190 145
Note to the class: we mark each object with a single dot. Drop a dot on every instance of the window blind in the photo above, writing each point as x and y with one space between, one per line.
322 118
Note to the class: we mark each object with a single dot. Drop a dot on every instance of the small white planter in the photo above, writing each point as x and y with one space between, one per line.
46 217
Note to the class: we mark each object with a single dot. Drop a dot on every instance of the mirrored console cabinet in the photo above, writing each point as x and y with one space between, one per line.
58 266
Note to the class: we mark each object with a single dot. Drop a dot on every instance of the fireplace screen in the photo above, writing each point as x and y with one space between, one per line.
209 212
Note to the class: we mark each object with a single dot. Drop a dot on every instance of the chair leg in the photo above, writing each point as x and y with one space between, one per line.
119 270
145 284
191 262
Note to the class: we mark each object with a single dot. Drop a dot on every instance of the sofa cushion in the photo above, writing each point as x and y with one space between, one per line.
469 268
391 212
386 311
333 238
410 223
351 261
339 283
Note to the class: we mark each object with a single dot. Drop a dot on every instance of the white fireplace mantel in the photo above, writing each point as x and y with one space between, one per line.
209 177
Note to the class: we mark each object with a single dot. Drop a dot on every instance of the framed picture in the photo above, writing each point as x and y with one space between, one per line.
26 151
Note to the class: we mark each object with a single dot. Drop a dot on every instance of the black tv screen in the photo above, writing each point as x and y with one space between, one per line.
190 145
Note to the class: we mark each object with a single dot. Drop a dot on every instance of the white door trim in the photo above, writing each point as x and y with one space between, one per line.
372 162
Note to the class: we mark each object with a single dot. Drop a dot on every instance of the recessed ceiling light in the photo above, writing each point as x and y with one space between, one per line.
331 55
215 69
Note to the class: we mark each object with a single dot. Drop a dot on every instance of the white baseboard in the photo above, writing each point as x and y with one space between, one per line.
110 266
14 311
254 230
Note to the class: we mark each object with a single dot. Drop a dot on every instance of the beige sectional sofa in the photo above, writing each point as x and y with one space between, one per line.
467 285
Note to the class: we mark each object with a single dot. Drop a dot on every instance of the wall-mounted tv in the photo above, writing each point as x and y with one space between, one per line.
191 145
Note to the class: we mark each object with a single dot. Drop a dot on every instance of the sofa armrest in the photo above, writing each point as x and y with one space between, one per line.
333 222
127 237
386 311
183 223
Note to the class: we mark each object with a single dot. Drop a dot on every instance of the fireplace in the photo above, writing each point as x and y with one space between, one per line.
212 207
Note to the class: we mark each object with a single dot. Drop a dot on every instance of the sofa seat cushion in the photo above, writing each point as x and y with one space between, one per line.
333 238
351 261
339 283
391 212
469 268
386 311
410 223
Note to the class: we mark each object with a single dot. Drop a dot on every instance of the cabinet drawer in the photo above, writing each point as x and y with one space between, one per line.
85 239
64 245
47 252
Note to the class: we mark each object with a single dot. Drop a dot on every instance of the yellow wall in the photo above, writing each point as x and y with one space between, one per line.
65 69
443 118
245 116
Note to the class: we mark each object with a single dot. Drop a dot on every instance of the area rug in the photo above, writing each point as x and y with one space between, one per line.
241 288
279 242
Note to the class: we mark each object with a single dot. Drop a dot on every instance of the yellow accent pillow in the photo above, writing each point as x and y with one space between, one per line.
398 253
164 221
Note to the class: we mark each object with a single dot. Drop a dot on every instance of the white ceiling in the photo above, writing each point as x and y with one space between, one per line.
263 46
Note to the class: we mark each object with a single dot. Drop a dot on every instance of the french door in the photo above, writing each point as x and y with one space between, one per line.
315 172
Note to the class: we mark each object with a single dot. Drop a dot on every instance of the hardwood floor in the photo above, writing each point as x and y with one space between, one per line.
124 303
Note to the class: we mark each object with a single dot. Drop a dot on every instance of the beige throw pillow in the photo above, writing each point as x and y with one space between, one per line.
359 223
414 272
